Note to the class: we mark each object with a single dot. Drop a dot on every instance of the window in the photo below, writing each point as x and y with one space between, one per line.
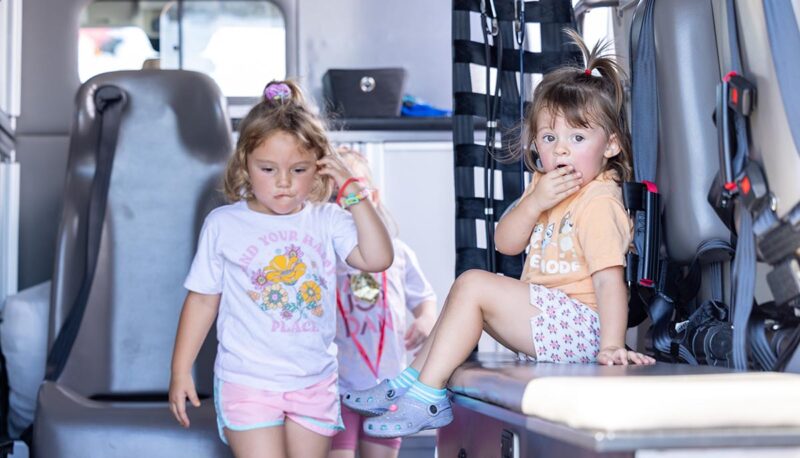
240 44
106 49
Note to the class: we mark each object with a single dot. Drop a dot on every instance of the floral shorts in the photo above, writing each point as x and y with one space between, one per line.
567 331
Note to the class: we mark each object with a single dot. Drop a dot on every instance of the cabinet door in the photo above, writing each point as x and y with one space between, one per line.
417 186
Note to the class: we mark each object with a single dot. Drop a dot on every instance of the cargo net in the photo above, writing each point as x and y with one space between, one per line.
512 35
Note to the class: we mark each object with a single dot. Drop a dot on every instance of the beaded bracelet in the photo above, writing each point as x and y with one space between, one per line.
354 198
340 195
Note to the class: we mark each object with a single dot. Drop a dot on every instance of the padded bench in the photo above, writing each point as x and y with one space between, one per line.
502 403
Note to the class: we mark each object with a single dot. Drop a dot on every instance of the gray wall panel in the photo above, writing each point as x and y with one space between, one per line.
43 164
414 34
49 80
49 65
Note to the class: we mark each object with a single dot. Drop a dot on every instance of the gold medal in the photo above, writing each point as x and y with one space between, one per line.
365 287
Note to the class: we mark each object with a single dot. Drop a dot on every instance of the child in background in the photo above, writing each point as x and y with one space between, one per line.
371 333
265 269
571 304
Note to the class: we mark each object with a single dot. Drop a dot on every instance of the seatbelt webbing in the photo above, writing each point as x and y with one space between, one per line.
784 41
109 102
644 103
744 263
740 123
744 267
644 134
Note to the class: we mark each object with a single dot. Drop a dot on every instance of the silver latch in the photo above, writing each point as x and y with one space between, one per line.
367 84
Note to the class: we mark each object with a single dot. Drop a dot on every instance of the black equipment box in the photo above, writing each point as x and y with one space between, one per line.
364 93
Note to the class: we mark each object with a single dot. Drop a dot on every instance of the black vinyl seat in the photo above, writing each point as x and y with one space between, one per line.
110 399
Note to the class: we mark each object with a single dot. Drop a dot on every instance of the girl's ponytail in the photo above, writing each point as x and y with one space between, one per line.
598 63
281 92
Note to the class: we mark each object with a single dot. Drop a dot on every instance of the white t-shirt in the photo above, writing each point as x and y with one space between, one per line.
277 277
406 288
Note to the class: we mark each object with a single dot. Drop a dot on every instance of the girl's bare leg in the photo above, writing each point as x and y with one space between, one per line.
372 450
422 354
477 298
304 443
342 454
257 443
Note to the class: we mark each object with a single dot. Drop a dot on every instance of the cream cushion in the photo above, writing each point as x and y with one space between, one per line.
632 398
666 402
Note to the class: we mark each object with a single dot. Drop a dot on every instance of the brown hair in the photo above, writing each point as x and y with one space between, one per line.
584 99
287 113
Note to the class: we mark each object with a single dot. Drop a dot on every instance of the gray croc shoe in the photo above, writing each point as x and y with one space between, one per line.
374 401
409 416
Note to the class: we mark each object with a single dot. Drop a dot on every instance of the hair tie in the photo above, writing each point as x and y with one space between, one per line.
587 72
277 91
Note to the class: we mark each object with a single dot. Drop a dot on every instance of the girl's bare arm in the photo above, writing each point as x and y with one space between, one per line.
374 252
612 304
514 230
197 316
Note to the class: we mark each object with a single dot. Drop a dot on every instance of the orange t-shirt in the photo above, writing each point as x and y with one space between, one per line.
585 233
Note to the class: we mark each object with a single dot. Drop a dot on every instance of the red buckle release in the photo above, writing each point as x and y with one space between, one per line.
651 187
746 185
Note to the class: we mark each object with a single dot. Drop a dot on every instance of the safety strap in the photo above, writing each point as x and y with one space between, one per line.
644 103
641 197
490 28
674 287
4 405
759 344
744 275
519 34
736 98
109 102
794 343
784 41
6 135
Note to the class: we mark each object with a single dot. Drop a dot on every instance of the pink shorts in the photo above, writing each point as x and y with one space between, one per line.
567 331
242 408
354 432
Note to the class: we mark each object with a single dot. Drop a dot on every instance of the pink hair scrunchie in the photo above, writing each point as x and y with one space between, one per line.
277 91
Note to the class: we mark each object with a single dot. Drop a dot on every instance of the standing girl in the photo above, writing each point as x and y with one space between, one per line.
571 304
371 333
265 269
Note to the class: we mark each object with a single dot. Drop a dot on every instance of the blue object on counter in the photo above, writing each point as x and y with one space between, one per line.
413 107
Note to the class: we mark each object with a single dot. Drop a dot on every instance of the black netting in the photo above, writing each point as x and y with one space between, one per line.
485 188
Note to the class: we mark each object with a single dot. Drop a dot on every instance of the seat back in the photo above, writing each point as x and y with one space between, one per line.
688 73
173 142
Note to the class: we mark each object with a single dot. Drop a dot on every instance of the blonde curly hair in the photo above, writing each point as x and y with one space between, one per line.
289 113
